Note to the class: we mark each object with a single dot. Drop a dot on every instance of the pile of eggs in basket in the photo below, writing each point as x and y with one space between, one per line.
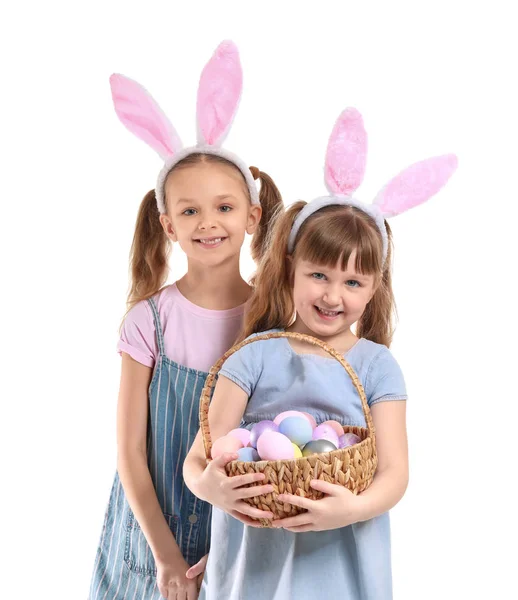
292 434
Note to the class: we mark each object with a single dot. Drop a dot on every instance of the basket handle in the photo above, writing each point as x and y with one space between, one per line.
211 379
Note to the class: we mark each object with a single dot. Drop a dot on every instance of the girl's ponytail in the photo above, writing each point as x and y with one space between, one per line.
271 203
149 254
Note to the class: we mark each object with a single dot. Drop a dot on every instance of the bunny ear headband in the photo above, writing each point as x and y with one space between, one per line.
344 170
219 91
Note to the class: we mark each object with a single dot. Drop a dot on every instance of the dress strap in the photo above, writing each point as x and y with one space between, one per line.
158 326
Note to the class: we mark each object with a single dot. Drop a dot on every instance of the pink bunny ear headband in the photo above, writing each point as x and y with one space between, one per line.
344 170
219 91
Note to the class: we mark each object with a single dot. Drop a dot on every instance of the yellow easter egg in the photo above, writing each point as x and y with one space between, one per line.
298 452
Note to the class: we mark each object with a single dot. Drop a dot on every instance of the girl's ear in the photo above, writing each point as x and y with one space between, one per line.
254 217
167 226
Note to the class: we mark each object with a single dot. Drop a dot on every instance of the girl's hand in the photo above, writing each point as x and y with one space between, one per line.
172 581
338 508
197 571
227 493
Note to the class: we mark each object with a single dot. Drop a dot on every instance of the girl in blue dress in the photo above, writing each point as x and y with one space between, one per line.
328 267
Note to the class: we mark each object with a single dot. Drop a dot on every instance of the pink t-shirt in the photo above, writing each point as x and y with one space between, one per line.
193 337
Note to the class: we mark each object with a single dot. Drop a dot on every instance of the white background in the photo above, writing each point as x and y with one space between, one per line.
429 78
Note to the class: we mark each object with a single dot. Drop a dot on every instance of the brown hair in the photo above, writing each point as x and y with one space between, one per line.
327 237
151 248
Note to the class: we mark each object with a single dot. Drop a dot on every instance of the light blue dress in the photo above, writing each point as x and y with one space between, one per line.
351 563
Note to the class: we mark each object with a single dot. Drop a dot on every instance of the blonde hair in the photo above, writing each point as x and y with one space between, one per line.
327 237
151 248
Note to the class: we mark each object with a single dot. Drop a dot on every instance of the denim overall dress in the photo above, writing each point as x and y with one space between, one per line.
124 566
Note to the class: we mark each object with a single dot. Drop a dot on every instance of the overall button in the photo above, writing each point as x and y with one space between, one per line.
193 519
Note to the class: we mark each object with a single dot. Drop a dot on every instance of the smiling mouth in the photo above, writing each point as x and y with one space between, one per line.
210 242
328 314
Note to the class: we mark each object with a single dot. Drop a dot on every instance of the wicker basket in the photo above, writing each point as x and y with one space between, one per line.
352 467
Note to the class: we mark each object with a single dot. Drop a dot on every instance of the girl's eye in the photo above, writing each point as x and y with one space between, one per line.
189 212
353 283
225 208
319 276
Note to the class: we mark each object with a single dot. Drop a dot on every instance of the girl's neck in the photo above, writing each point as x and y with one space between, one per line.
341 342
214 288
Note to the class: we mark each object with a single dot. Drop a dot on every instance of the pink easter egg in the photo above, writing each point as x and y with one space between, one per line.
259 428
227 443
241 434
336 426
325 432
292 413
272 445
310 419
348 439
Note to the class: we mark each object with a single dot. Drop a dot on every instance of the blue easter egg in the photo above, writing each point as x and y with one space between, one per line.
297 429
248 454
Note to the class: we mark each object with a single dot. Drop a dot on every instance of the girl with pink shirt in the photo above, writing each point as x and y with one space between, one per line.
205 199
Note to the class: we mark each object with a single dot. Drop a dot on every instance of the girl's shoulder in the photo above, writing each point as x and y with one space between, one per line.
138 335
378 370
142 313
370 350
265 346
255 351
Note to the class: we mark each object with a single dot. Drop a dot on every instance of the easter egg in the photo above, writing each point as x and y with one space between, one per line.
317 447
336 426
272 445
227 443
289 413
326 432
297 450
311 419
297 429
348 439
259 428
248 455
241 434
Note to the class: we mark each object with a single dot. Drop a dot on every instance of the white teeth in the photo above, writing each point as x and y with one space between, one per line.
328 313
209 242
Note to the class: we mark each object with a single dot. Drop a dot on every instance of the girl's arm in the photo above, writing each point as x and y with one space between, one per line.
210 482
132 415
391 478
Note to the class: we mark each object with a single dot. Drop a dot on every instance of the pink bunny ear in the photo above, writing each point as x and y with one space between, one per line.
140 114
346 154
218 94
416 184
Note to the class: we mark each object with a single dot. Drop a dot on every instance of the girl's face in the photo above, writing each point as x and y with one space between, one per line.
208 212
329 300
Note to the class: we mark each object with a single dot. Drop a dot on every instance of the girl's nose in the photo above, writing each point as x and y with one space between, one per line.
331 297
205 223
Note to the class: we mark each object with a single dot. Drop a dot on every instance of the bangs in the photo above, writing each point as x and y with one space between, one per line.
332 234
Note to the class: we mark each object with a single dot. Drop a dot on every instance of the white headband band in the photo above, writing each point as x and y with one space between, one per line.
214 150
315 205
